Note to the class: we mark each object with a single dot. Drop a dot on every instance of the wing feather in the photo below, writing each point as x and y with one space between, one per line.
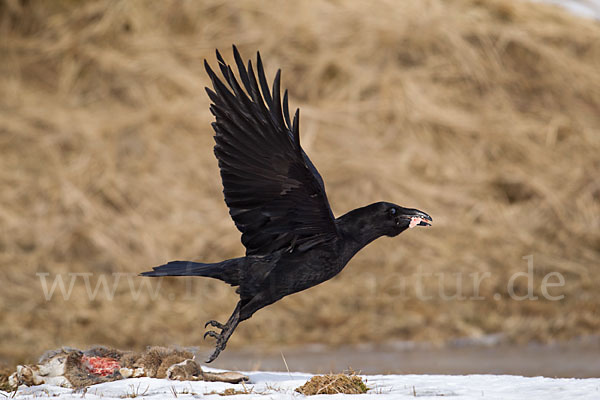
274 193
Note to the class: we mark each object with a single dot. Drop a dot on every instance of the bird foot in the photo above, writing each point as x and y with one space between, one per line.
222 337
226 332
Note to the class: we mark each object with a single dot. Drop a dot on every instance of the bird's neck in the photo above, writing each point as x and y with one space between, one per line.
357 230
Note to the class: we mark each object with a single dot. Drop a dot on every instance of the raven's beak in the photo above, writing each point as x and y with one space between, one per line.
426 220
419 218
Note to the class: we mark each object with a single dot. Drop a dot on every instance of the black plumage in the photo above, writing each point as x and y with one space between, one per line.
277 200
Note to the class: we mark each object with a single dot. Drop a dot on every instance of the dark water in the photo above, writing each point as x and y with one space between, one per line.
580 359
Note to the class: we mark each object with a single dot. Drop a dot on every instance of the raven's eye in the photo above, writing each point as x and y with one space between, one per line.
393 211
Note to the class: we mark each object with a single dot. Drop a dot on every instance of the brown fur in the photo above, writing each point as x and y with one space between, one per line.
79 376
156 362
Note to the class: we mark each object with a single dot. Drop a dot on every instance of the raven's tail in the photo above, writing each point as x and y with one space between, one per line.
227 271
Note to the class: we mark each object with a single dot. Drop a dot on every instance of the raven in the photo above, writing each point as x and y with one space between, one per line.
277 200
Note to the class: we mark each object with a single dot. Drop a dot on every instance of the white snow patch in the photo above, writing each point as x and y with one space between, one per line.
281 385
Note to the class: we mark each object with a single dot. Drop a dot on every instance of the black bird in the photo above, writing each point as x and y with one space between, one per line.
277 200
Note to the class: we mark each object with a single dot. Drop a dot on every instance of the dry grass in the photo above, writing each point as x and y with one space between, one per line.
232 392
333 384
483 113
5 372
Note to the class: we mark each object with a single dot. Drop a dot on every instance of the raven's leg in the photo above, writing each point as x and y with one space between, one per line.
245 309
226 332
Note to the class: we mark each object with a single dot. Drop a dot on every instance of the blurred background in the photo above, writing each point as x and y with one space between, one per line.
483 113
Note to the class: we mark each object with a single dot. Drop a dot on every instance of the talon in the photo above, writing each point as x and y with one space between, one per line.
214 323
211 334
214 355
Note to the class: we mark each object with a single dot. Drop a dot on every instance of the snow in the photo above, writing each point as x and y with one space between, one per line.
281 385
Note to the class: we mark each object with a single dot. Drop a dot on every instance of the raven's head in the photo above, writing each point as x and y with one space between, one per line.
396 219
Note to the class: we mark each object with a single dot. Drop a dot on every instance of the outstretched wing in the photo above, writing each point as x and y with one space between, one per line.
275 195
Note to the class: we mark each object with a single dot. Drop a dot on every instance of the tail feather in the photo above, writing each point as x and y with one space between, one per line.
227 271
